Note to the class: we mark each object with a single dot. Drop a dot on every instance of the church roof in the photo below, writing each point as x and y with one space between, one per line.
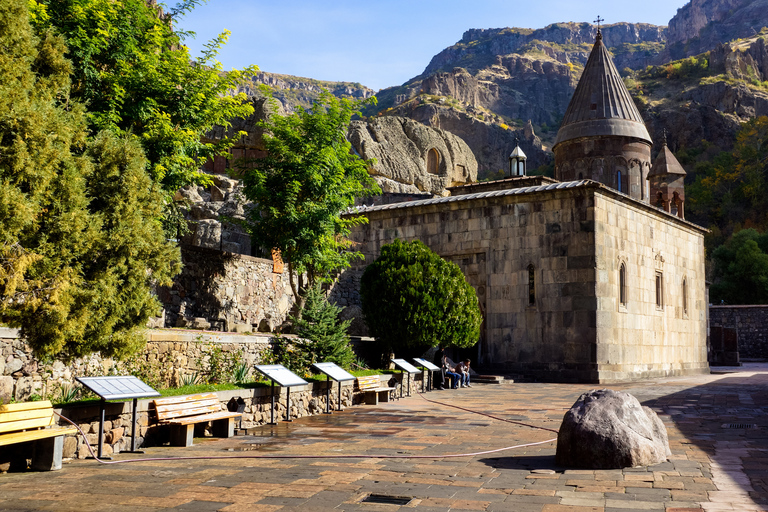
601 104
522 191
666 163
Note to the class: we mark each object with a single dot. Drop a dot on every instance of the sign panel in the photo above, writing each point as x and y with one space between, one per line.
334 371
280 374
426 364
405 365
118 387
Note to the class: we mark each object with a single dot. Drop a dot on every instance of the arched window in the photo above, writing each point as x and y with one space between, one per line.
623 285
433 161
659 290
531 285
685 297
660 200
618 181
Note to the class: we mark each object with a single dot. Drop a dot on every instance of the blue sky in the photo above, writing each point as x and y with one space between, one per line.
379 44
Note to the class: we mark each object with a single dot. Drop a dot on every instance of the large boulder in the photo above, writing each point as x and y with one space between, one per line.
606 429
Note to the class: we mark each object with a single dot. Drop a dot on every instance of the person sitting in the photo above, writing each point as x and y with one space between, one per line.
448 368
462 369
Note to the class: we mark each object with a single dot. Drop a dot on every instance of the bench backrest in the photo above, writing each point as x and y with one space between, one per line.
26 416
183 406
369 382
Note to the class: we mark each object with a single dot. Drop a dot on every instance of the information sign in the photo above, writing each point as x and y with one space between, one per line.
405 365
118 387
334 371
426 364
280 374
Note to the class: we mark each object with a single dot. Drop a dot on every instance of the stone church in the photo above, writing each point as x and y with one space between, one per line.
594 276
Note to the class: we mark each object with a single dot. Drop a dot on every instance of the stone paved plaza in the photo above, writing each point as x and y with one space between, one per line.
713 467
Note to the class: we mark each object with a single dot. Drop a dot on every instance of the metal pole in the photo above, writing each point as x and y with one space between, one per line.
402 381
272 413
133 426
288 404
327 394
101 426
339 396
423 379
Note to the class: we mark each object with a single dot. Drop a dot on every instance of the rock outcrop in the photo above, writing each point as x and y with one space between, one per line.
480 47
607 429
701 25
293 91
401 148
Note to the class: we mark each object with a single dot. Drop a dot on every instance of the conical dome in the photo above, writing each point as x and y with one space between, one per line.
601 104
666 163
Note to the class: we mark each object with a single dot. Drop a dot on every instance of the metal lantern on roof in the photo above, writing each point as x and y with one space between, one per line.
517 161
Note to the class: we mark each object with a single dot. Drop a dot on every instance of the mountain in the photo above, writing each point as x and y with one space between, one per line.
293 91
498 85
701 25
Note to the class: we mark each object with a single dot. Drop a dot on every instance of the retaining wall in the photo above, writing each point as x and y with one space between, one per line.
751 325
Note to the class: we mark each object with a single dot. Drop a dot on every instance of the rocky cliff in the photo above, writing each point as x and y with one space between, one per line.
495 85
563 42
704 100
701 25
292 91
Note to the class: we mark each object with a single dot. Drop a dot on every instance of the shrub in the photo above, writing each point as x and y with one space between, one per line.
413 299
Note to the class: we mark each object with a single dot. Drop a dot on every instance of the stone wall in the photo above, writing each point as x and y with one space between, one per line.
232 292
751 325
565 241
167 358
640 337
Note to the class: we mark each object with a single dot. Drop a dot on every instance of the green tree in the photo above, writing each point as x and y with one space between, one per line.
137 79
741 269
80 240
414 299
309 177
326 336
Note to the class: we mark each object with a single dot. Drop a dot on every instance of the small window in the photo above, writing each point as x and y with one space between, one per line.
685 297
618 181
531 285
623 285
433 161
659 290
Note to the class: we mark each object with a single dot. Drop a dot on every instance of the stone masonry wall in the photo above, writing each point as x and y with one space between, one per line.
640 338
751 324
232 292
167 358
559 242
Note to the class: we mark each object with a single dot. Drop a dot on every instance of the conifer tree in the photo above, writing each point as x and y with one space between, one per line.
319 324
80 237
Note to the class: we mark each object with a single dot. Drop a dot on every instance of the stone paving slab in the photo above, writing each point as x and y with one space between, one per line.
712 467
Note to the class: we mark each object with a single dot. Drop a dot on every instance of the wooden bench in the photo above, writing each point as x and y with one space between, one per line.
34 422
373 390
182 413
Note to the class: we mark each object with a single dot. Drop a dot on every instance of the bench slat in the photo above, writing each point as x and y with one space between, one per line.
184 399
33 435
162 409
31 414
192 411
26 424
25 406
